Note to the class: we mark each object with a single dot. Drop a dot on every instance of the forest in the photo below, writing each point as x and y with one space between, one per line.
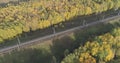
31 19
102 49
41 14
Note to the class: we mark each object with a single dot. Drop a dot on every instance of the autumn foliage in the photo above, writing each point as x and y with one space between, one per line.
40 14
102 49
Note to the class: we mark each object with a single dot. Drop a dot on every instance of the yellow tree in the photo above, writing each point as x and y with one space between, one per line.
88 10
86 58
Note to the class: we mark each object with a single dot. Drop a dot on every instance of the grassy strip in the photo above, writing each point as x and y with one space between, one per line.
59 48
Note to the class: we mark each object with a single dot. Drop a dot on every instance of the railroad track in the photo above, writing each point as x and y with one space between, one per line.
42 39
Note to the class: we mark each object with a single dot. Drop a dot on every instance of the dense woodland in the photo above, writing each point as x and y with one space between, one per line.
94 44
103 48
40 14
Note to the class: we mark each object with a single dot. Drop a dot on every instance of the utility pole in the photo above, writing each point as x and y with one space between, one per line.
53 28
18 39
84 22
103 17
119 12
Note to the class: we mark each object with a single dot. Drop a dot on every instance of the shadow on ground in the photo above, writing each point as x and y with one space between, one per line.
60 47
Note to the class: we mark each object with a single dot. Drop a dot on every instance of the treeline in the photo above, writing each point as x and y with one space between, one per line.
40 14
102 49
